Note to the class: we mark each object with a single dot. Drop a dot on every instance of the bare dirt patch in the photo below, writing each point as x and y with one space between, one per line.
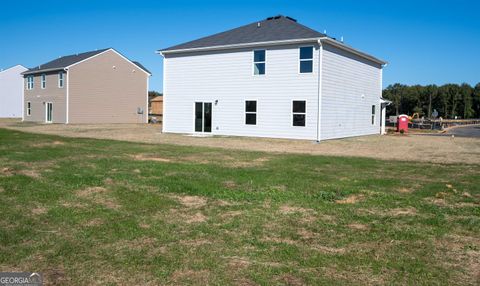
39 210
230 185
405 190
99 195
196 218
94 222
358 226
187 276
192 201
289 279
286 209
150 157
352 199
403 211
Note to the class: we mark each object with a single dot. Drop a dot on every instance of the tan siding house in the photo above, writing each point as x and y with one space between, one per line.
94 87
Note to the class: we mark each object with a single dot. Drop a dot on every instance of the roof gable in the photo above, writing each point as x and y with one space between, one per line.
65 61
278 28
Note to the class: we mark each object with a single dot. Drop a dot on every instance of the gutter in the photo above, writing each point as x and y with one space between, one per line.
319 91
41 71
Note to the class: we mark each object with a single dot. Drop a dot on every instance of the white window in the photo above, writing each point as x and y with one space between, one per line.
60 79
259 59
44 81
29 108
306 59
251 112
373 114
299 111
29 82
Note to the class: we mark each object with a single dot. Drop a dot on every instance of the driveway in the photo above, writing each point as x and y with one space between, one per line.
435 149
465 131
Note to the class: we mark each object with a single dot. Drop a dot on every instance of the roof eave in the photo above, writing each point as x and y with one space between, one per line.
274 43
353 50
42 71
235 46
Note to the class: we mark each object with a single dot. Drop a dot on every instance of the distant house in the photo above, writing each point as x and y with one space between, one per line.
100 86
11 92
156 105
272 78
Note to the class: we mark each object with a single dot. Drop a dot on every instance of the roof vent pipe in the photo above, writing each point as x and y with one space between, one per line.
341 39
259 24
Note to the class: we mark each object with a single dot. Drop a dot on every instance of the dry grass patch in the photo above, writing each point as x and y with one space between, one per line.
99 195
286 209
230 185
94 222
352 199
196 218
188 276
403 211
150 157
39 210
461 252
405 190
358 226
191 201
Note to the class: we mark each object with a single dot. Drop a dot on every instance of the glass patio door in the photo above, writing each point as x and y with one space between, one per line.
49 109
203 117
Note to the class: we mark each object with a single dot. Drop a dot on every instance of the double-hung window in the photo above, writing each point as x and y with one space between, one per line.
29 82
306 59
251 112
373 114
44 81
299 111
259 60
60 79
29 108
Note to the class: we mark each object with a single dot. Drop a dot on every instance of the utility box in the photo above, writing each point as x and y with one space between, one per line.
402 123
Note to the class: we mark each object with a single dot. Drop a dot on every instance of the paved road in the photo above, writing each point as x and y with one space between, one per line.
467 131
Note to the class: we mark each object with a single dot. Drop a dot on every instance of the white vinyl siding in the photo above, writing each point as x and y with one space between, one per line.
350 87
226 78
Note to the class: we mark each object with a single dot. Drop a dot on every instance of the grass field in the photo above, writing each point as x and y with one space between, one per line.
86 212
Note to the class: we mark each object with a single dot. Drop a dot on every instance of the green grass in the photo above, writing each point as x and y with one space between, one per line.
86 211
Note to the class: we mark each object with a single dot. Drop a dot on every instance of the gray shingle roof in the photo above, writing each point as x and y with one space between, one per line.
63 62
276 28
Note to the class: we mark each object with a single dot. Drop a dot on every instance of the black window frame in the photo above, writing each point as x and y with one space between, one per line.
305 60
296 114
249 114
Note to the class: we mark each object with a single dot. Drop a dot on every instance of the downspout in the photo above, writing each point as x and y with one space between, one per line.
67 86
319 91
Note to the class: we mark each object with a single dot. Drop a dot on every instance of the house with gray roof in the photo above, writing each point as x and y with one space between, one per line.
11 92
101 86
272 78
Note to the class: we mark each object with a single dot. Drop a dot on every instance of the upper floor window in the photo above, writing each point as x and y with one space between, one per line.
251 112
373 114
299 112
60 79
44 81
259 58
29 82
306 59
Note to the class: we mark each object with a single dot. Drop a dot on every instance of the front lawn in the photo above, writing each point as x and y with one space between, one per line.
86 212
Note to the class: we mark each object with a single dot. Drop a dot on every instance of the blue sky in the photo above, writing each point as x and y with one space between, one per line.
423 41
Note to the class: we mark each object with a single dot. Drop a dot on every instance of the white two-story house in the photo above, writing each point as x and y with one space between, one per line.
272 78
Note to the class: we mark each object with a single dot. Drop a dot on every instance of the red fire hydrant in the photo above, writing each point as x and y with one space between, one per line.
402 123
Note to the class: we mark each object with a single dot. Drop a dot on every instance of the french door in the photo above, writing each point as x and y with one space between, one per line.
48 112
203 117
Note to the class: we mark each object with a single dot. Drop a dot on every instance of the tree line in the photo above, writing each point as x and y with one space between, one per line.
450 100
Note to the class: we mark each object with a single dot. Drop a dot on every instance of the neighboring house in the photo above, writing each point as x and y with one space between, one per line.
156 105
100 86
11 92
272 78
